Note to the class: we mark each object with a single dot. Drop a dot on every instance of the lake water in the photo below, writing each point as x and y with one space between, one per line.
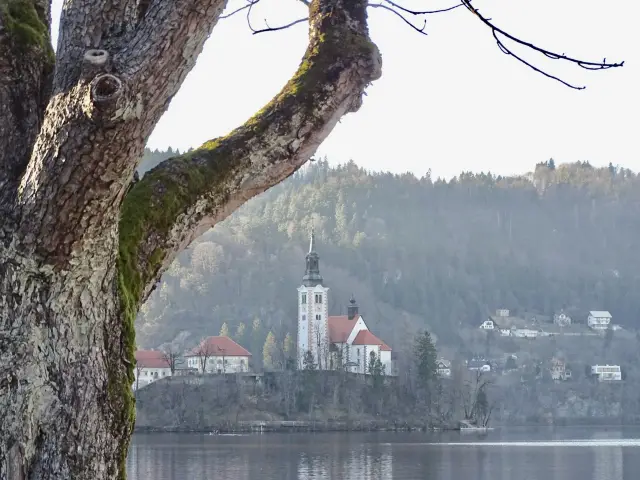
509 454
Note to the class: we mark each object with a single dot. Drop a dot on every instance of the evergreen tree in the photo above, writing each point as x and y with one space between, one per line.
270 352
426 358
376 370
224 330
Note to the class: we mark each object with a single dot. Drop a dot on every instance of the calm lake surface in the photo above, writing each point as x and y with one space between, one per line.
518 454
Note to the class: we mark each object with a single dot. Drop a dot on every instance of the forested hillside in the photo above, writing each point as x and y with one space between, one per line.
416 253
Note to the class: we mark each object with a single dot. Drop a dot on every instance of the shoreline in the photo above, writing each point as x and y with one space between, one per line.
292 427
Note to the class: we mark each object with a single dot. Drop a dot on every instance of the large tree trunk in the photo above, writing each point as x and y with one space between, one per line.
80 249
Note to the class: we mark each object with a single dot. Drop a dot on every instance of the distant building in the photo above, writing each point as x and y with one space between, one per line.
487 325
599 320
444 368
607 373
524 333
218 355
562 319
502 312
335 342
479 365
151 365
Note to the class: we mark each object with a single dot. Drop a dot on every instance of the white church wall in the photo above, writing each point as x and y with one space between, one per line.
359 326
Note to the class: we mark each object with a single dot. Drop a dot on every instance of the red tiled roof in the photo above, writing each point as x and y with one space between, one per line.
219 346
151 359
365 337
340 327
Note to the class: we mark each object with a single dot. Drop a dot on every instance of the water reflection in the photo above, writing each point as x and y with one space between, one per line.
608 462
603 455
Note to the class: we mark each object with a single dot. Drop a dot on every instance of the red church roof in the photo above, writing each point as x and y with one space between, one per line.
151 359
218 347
340 327
365 337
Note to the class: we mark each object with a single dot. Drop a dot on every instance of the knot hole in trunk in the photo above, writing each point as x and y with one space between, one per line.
105 88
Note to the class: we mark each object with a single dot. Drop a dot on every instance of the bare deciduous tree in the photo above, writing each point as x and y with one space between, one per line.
81 246
172 356
203 351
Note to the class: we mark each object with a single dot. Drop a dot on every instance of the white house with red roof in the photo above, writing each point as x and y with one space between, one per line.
151 365
219 355
342 341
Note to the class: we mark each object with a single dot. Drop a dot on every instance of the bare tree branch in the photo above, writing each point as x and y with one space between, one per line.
423 12
238 10
398 14
282 27
496 31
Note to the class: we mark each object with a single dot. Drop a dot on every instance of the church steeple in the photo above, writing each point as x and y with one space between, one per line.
312 275
352 309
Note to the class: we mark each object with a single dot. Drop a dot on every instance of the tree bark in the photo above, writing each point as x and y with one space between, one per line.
81 251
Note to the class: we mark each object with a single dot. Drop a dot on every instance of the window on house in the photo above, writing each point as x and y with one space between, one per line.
318 298
304 298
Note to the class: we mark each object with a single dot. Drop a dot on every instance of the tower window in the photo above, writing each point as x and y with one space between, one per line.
304 318
318 317
304 298
318 298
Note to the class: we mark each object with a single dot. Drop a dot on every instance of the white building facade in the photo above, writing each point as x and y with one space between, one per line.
219 355
607 373
151 365
599 320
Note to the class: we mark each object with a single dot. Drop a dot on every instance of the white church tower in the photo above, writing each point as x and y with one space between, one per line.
313 312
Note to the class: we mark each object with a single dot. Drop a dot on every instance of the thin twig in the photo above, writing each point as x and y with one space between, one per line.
547 53
282 27
237 10
548 75
385 7
426 12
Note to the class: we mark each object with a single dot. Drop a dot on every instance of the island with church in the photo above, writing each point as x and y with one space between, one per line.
341 342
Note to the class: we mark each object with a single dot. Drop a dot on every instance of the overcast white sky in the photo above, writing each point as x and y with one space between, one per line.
450 101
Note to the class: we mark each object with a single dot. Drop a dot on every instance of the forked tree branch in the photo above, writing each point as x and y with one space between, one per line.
183 197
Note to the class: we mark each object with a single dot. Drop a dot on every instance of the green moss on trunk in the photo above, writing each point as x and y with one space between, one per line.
26 27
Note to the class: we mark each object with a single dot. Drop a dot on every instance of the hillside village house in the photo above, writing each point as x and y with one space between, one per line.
443 368
342 341
218 355
562 319
559 370
607 373
599 320
487 325
151 365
